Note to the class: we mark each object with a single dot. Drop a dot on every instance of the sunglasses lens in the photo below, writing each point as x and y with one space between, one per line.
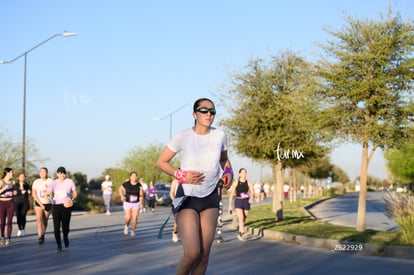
205 111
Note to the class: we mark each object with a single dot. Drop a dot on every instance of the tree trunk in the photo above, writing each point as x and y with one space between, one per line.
362 201
278 191
295 189
291 184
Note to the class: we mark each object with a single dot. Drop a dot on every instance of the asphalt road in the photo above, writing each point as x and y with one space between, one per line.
342 210
98 246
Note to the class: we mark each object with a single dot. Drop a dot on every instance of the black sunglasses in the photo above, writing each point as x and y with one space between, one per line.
206 110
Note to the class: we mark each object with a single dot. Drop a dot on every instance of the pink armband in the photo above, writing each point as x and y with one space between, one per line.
228 170
180 176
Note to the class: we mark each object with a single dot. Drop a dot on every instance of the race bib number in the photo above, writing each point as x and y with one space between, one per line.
60 194
133 198
244 195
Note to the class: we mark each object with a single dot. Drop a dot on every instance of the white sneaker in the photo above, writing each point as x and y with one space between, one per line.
108 213
241 237
132 233
23 232
174 237
19 233
126 230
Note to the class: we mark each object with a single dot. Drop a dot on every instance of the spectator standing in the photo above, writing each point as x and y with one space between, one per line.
266 189
286 190
257 189
6 205
42 202
302 189
106 188
21 203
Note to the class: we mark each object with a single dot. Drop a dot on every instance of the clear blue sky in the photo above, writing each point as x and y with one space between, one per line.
93 97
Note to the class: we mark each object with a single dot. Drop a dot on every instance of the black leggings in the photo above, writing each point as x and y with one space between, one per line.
21 207
61 216
151 203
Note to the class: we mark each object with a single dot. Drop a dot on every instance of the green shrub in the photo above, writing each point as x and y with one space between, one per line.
400 207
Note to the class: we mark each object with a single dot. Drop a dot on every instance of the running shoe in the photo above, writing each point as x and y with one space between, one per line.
125 230
174 237
132 233
240 236
66 241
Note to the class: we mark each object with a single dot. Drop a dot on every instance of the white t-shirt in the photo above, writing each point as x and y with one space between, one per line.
107 185
200 153
257 188
41 187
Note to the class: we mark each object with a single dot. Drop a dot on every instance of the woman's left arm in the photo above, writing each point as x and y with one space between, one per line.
226 165
74 194
251 191
141 198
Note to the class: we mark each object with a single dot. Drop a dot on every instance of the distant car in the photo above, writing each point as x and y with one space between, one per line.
400 189
163 195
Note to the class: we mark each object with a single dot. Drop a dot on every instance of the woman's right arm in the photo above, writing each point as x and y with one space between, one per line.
163 162
35 197
121 192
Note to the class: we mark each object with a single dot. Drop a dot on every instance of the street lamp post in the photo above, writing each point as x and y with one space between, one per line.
170 115
64 34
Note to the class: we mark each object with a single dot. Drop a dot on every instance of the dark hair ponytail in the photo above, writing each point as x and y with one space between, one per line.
6 170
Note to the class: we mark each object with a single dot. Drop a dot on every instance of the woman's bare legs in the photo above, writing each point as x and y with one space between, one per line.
197 234
134 218
42 218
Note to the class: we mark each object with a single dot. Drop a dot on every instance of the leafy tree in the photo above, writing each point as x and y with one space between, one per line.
319 169
81 181
143 161
339 175
11 154
273 116
400 161
368 74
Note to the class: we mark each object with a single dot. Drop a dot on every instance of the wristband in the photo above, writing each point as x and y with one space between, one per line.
228 170
180 176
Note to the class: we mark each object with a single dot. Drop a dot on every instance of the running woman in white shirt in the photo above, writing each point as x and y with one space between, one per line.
203 155
42 203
